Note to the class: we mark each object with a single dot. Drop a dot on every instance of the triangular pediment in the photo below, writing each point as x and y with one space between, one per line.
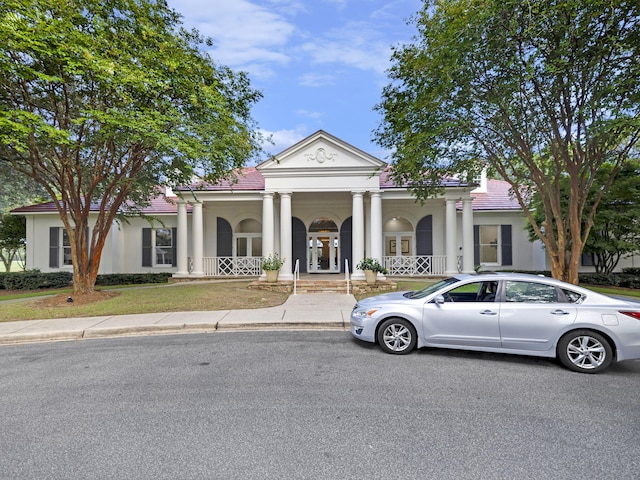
321 152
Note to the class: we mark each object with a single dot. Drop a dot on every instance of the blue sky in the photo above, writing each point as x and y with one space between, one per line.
320 64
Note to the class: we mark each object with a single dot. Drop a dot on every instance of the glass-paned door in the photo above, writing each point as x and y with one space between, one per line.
323 253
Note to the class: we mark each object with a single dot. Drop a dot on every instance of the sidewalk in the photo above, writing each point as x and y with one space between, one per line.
312 311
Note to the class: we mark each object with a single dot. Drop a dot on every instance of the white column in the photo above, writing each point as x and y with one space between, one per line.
267 225
451 238
198 240
376 226
182 249
285 236
357 233
268 238
467 236
367 226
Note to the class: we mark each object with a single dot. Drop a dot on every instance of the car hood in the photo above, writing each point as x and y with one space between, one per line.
395 297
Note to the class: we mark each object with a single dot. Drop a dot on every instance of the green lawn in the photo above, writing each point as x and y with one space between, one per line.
149 299
175 298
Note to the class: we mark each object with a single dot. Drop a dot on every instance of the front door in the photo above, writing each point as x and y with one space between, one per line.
324 252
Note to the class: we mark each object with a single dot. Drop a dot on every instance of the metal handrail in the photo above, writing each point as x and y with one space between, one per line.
296 276
347 276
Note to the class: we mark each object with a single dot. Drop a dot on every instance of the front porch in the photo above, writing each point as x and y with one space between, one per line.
397 266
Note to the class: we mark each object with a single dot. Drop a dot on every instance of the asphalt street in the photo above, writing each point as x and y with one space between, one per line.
307 405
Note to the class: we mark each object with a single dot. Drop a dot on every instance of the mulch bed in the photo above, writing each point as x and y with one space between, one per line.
62 300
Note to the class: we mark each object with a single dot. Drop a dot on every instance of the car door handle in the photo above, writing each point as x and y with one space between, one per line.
559 312
488 312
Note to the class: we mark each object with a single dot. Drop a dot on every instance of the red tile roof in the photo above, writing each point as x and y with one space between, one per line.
250 179
498 197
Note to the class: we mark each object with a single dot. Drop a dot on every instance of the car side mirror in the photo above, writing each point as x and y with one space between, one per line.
439 299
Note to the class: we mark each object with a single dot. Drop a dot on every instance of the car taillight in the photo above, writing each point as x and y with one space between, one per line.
631 313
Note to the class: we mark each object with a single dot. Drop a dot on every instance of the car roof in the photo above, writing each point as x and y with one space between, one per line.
488 276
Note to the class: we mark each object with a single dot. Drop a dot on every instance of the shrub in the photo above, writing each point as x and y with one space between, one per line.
372 264
35 279
272 262
132 278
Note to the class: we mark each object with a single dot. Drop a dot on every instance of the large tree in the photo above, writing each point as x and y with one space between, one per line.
616 224
538 91
16 189
103 100
13 233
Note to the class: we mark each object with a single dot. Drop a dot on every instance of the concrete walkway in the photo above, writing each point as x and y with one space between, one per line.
312 311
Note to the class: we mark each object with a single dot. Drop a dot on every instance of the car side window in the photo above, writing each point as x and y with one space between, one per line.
530 292
573 297
472 292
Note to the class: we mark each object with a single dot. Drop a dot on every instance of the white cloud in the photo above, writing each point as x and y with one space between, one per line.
316 80
355 45
283 139
308 114
246 36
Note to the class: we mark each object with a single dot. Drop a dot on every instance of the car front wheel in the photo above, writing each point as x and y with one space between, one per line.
585 351
397 336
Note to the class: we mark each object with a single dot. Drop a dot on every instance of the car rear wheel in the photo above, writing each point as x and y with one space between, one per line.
397 336
585 351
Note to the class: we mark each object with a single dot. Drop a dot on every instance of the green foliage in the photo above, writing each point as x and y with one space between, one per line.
536 91
34 280
132 278
372 264
616 224
16 189
102 101
623 280
272 262
13 234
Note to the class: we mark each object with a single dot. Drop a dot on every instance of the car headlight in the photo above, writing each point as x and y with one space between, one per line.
365 313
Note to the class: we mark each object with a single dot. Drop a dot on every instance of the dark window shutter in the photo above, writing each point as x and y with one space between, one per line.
424 236
54 247
507 248
346 244
174 248
225 238
299 244
146 248
476 244
588 260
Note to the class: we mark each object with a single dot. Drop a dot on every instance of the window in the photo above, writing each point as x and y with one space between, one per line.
67 259
492 245
473 292
248 239
488 244
573 297
60 248
164 247
530 292
158 247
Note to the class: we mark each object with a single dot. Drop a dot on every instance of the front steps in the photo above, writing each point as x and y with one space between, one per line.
304 286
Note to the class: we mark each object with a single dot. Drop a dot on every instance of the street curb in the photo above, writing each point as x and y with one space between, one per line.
176 329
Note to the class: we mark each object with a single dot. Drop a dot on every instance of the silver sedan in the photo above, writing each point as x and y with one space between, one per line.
506 313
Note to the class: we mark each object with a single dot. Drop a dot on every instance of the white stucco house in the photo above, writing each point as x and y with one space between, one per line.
323 205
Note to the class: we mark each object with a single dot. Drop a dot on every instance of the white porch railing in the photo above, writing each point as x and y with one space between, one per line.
231 266
421 265
415 265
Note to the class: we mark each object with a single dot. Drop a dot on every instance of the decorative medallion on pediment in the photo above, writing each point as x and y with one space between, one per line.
320 156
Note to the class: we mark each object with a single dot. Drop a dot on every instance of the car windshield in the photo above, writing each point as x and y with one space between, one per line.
434 287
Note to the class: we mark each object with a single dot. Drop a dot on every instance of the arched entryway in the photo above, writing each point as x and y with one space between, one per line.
398 238
323 246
